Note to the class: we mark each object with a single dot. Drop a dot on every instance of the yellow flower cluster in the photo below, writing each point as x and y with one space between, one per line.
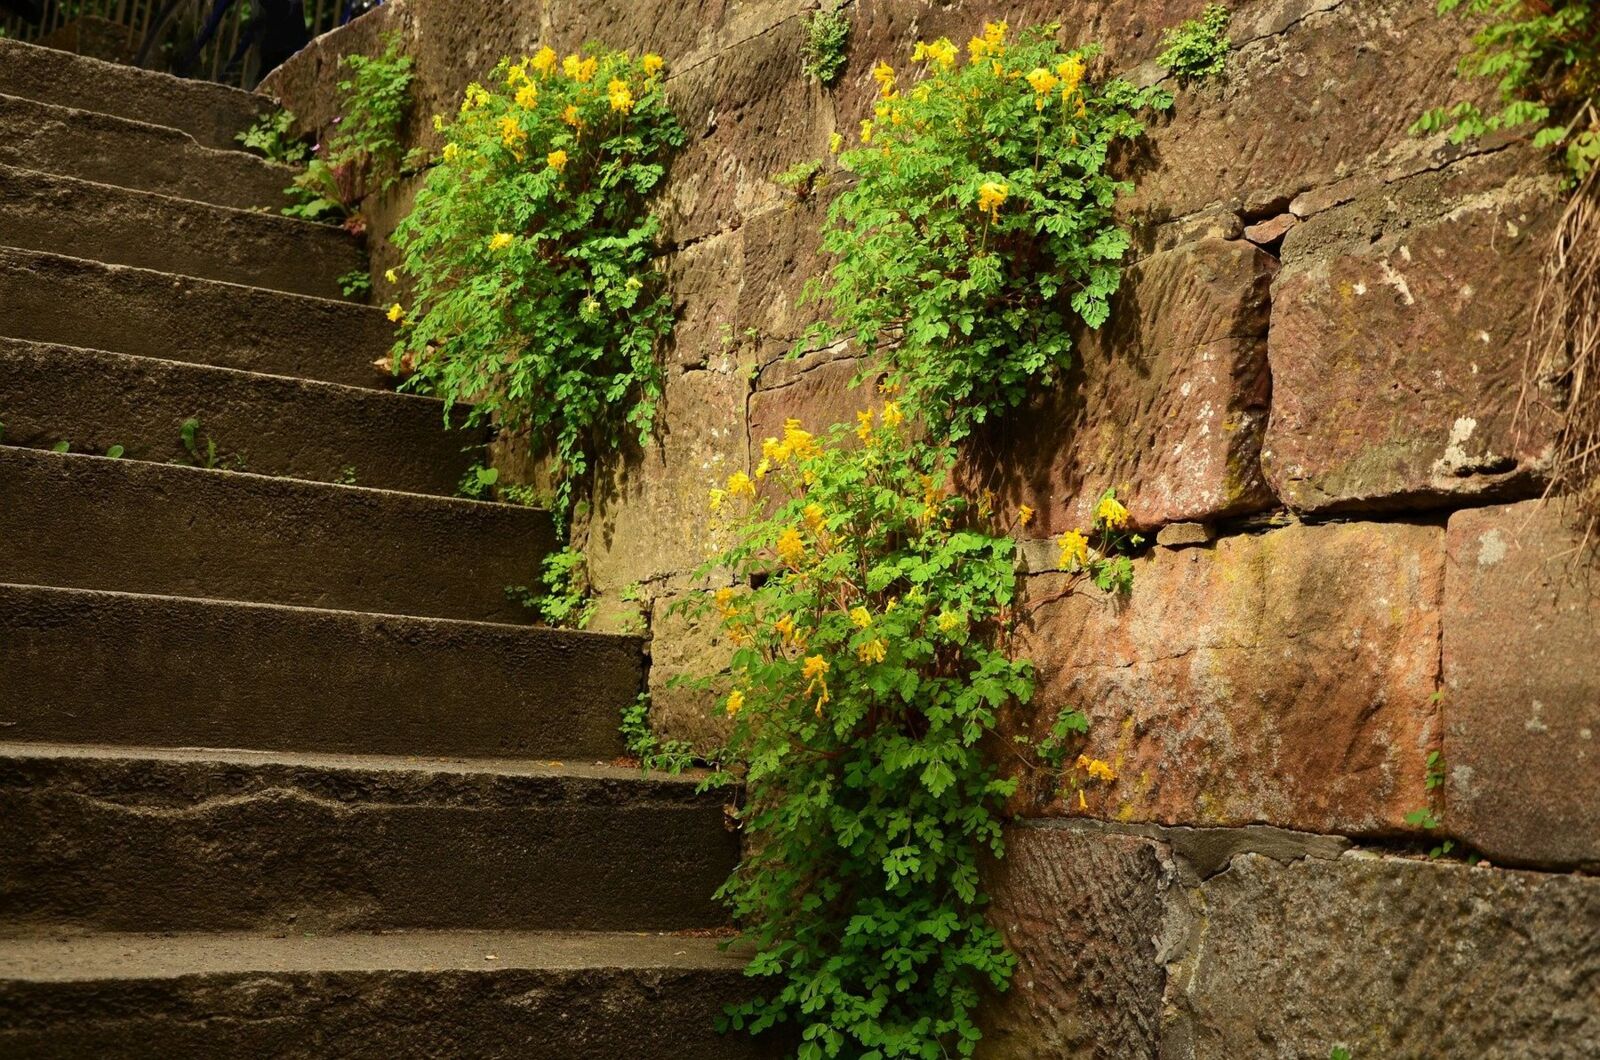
992 43
815 670
652 64
1110 513
580 70
1098 769
941 53
501 241
791 548
528 96
1043 83
873 651
735 702
556 160
512 134
991 196
1074 550
620 97
543 61
883 73
397 313
797 444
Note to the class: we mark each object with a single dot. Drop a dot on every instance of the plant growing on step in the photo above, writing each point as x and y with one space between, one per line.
273 137
531 248
202 453
655 755
565 601
979 231
478 483
357 283
1197 50
871 663
823 53
362 154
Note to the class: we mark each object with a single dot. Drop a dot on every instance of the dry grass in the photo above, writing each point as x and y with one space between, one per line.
1562 374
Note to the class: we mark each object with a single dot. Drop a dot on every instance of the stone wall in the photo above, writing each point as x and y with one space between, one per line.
1316 358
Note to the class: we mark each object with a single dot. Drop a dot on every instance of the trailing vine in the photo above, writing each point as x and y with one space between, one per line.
979 230
873 608
529 255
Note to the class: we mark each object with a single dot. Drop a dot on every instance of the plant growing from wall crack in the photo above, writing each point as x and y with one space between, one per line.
530 252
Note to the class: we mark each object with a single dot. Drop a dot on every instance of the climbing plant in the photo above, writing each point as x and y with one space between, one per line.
979 229
872 661
529 255
362 153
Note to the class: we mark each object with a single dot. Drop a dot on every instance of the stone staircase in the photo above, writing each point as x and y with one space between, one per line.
282 771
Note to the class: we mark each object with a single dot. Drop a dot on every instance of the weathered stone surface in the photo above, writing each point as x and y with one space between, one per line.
704 280
1167 405
1388 958
1315 91
1269 232
1285 678
1084 915
685 645
816 390
1397 343
1182 535
1522 686
649 514
782 251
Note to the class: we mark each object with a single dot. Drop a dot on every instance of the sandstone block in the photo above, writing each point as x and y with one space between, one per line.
1083 914
1389 958
1399 329
1285 678
687 645
1167 404
1522 686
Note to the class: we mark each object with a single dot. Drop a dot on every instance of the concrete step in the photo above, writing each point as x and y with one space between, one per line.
108 839
212 114
122 669
150 231
442 994
90 522
274 424
532 995
133 154
51 298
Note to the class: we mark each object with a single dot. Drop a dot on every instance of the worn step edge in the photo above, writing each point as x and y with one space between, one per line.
135 154
90 522
139 841
130 669
164 233
211 113
93 305
278 425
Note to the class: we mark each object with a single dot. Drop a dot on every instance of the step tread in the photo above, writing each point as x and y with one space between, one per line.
236 535
136 154
57 298
116 956
163 232
206 110
382 764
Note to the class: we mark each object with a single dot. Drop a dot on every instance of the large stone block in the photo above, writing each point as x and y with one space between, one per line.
1399 329
817 390
704 280
1285 678
686 646
1522 686
1084 915
1389 958
649 517
1168 404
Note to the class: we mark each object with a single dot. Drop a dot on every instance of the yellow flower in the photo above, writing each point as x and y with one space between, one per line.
724 599
920 94
873 651
1043 82
451 153
1097 769
866 131
940 51
861 617
396 313
619 95
391 276
527 97
785 627
763 468
774 450
570 116
814 667
1074 550
835 143
556 160
1110 512
948 621
438 123
476 96
1083 803
501 240
652 64
798 441
717 497
735 702
544 60
517 73
511 133
894 602
791 548
977 48
1070 70
1024 515
991 196
883 73
864 425
892 416
740 485
571 65
994 34
814 517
